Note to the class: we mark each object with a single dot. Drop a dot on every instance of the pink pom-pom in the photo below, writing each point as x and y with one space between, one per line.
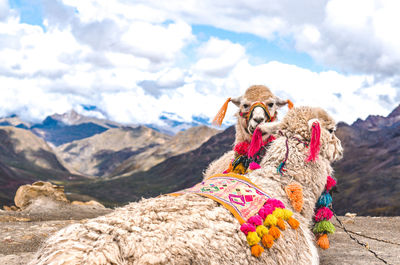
246 228
276 203
323 213
256 142
242 148
314 142
268 209
254 166
262 213
330 183
255 220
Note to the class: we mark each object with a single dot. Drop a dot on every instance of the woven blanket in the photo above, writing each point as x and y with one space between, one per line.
236 192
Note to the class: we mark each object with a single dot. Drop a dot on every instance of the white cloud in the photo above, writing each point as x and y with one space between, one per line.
4 9
126 58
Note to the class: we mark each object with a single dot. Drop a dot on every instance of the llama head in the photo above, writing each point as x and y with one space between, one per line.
313 125
257 106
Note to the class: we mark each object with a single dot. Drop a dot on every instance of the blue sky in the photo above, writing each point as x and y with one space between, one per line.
132 61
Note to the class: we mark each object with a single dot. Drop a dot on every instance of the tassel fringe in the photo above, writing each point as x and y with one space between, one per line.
219 118
295 193
290 104
315 142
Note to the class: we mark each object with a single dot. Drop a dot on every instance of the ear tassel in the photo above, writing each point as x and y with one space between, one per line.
315 142
290 104
221 113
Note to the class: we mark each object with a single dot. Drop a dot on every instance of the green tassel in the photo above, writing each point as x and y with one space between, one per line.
324 227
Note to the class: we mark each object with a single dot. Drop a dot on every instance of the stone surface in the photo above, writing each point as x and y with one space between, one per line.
26 194
19 240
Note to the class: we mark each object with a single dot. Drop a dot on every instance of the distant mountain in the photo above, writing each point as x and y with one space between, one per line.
174 173
182 142
25 158
369 174
100 154
171 123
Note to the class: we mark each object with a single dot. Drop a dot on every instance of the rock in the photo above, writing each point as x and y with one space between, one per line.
6 208
28 193
89 203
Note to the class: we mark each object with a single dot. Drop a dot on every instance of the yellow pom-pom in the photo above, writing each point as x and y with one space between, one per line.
267 241
270 220
293 223
287 214
281 224
252 238
278 213
261 230
274 232
323 241
256 250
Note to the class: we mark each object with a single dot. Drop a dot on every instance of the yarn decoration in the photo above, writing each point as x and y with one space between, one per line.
323 214
314 142
249 155
266 226
294 191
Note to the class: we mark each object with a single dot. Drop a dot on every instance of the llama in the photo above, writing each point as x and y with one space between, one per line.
250 115
192 229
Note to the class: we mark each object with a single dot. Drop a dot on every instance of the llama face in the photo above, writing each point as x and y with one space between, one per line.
257 106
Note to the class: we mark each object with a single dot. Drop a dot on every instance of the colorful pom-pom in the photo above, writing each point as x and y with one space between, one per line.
330 183
254 166
287 214
253 238
246 228
267 241
293 223
256 250
268 209
242 148
323 213
274 232
270 220
324 200
295 193
323 241
262 213
324 227
261 230
281 224
276 203
255 220
278 213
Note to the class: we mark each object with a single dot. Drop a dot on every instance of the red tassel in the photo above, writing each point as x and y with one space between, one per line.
315 142
256 142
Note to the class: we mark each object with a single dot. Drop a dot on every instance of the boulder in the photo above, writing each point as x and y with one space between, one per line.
28 193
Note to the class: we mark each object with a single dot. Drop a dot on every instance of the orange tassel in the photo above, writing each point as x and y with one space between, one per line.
281 224
267 241
274 232
293 223
295 193
323 241
256 250
290 104
221 113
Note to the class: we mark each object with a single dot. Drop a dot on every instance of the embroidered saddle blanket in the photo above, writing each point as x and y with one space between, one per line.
235 192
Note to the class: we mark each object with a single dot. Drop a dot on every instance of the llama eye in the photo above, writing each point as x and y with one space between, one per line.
245 106
331 130
270 105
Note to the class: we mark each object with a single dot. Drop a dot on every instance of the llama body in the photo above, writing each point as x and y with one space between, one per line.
191 229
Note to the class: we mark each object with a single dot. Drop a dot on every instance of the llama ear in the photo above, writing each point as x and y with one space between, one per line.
236 101
281 102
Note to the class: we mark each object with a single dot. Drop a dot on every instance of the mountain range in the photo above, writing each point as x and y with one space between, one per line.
116 163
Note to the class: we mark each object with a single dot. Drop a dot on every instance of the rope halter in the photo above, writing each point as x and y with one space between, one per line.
247 115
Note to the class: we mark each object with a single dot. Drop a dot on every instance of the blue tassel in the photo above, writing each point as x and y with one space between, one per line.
280 168
324 200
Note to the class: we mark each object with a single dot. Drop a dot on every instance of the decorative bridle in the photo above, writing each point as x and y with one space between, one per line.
248 114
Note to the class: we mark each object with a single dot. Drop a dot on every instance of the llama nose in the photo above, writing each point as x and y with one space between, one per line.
258 120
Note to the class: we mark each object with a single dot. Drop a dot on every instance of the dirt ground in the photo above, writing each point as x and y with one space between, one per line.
21 235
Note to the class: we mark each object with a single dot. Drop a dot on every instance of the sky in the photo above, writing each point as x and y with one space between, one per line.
132 61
